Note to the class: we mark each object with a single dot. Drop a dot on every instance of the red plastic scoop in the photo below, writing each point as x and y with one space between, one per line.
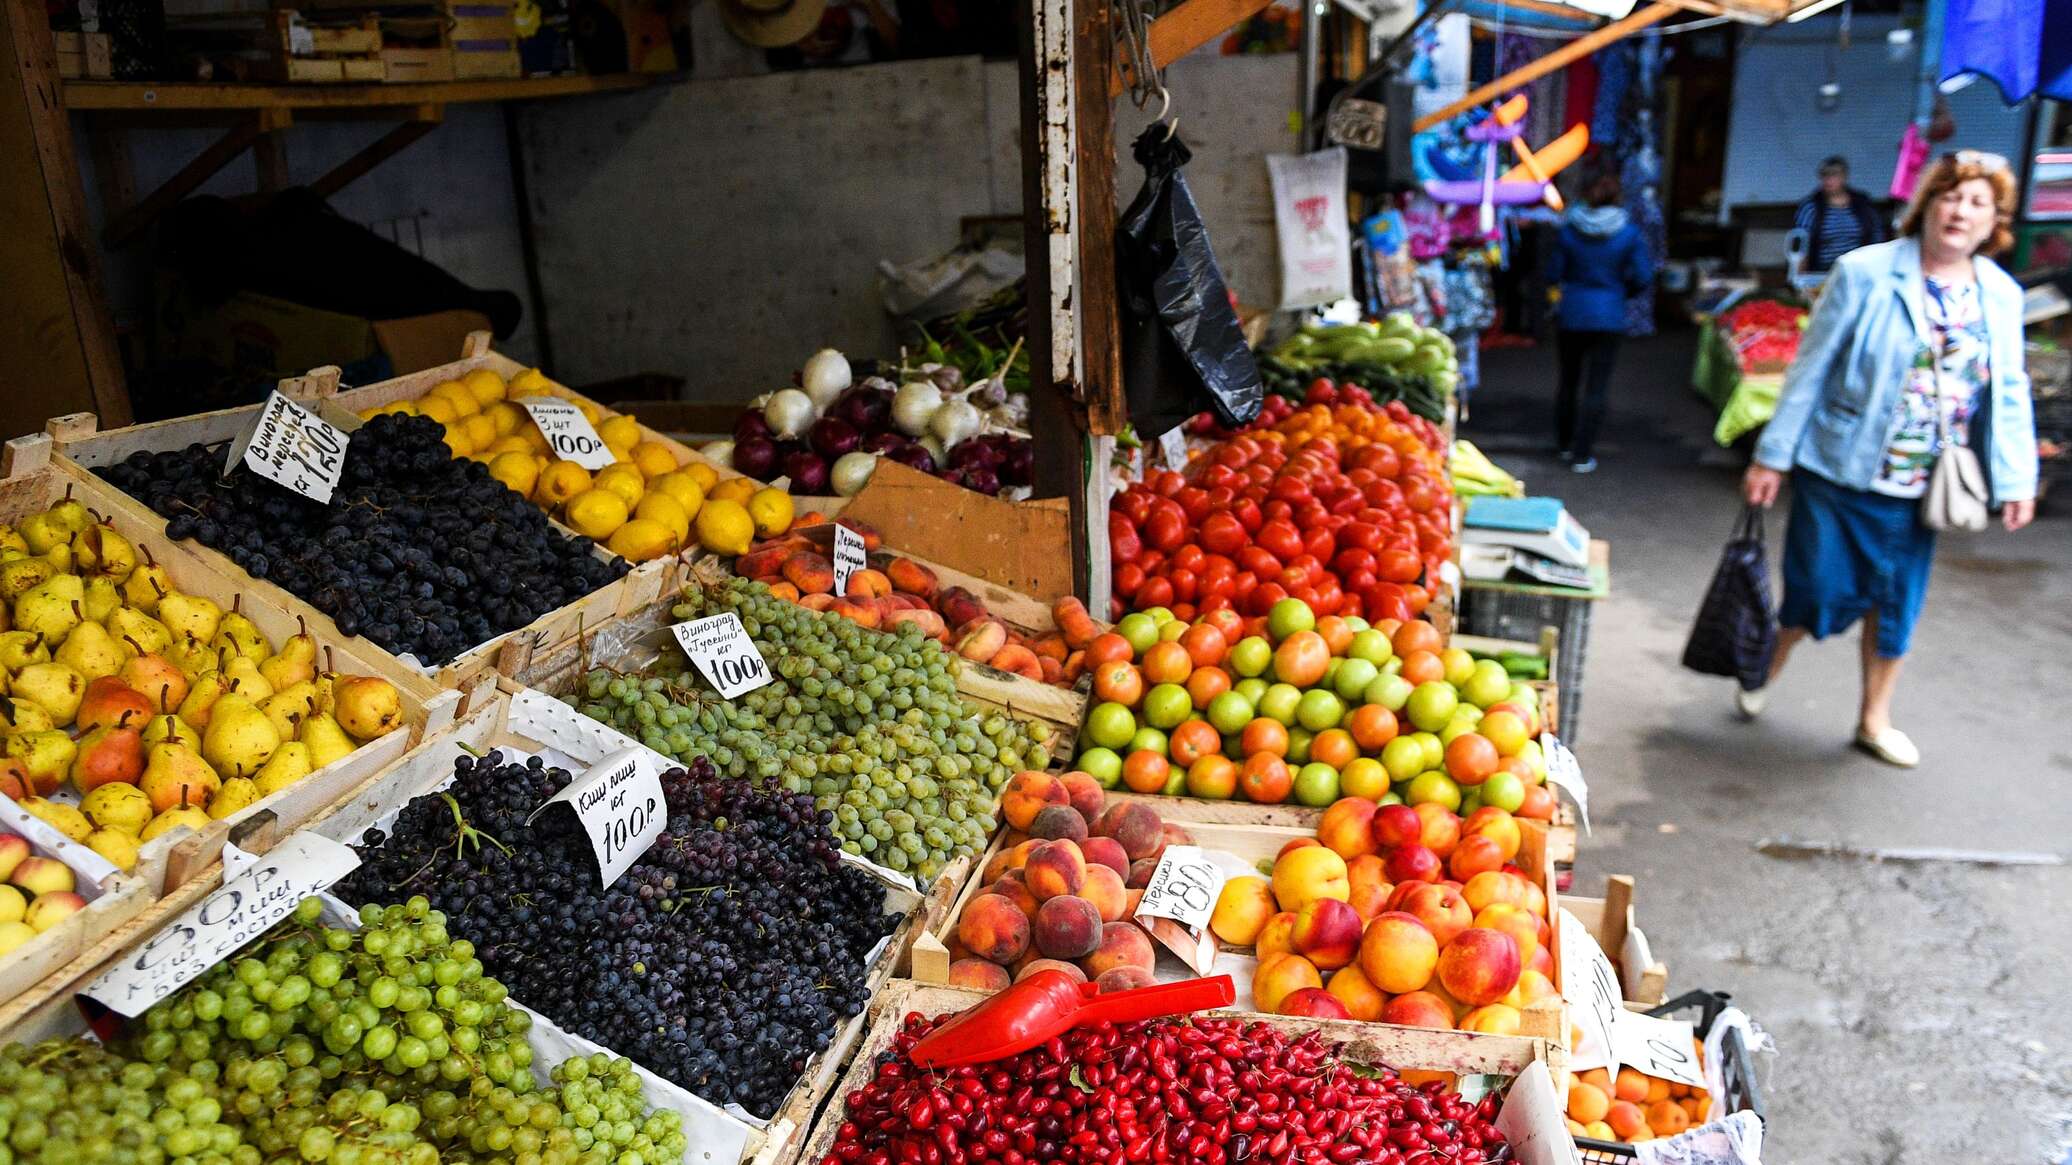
1050 1003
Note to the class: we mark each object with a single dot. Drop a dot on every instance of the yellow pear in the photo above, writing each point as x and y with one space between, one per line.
242 635
19 649
117 806
99 550
60 558
170 729
139 631
11 540
66 819
190 816
119 848
23 716
368 707
242 674
55 687
91 651
42 531
288 765
201 699
327 692
193 659
326 740
190 616
155 676
72 515
102 597
294 663
52 607
19 574
287 707
239 738
236 793
146 585
176 775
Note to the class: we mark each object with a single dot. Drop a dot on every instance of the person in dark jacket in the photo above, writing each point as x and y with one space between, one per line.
1837 217
1599 262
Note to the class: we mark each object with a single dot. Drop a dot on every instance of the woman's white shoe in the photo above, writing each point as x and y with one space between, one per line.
1891 746
1751 704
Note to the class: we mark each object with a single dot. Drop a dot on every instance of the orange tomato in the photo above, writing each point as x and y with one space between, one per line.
1120 681
1417 635
1205 645
1145 771
1109 646
1373 726
1192 741
1337 633
1263 778
1206 684
1229 622
1423 667
1301 659
1334 747
1471 758
1167 663
1264 735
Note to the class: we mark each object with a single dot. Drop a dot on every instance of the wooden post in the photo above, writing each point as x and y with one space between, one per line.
1574 50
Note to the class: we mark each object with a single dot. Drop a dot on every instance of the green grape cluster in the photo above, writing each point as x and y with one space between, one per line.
869 722
386 1046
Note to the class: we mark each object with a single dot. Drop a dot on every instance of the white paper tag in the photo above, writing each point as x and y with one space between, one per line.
1530 1120
213 928
1183 888
293 446
1657 1047
723 653
1173 445
568 432
1591 988
619 801
1564 771
849 556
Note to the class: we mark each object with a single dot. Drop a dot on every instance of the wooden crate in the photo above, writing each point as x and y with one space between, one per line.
83 55
32 480
82 448
1401 1048
115 899
1610 921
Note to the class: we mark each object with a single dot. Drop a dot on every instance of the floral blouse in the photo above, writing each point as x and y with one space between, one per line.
1957 330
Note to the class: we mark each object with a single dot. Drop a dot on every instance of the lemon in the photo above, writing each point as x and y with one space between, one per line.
683 487
734 489
457 439
657 506
559 482
595 513
118 847
463 401
771 510
534 439
512 444
724 526
654 458
515 469
439 409
703 473
623 454
507 417
118 806
531 382
485 385
590 411
481 431
641 539
623 429
623 480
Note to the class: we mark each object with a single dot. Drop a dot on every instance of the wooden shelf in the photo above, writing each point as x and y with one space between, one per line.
133 97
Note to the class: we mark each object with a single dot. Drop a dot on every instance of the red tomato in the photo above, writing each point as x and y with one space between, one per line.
1184 612
1321 543
1418 598
1419 497
1242 584
1123 541
1259 473
1220 476
1128 577
1215 603
1188 557
1385 601
1276 510
1297 577
1185 584
1247 513
1220 498
1164 482
1263 597
1321 392
1363 535
1194 502
1134 504
1282 540
1359 581
1385 494
1351 560
1290 488
1259 560
1384 461
1156 592
1329 595
1222 533
1164 529
1398 566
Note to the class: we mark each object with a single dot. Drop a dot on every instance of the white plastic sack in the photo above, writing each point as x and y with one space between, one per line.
1310 222
1736 1139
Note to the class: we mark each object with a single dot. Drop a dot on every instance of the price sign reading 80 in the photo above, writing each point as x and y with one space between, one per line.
1184 887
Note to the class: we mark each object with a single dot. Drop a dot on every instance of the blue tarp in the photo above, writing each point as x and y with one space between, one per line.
2023 45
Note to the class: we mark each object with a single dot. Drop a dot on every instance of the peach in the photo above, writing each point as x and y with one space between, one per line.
1496 1018
810 571
763 561
1497 825
1419 1009
863 614
1106 851
1443 911
1523 928
1076 625
1587 1102
1541 960
1314 1003
1398 953
1055 867
907 575
1171 834
1308 874
1242 911
1480 966
1395 825
1140 873
959 606
1293 844
958 951
1362 999
1053 822
1369 900
781 589
1105 890
1413 863
1135 825
1347 827
1277 937
1026 795
1123 979
1018 660
1327 933
1011 887
1123 944
929 622
1441 828
1624 1119
1085 795
981 640
868 584
1034 965
1279 977
1532 987
1474 855
979 975
817 602
994 928
1494 886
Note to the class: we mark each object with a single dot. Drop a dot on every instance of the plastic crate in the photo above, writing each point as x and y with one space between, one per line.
1737 1072
1500 614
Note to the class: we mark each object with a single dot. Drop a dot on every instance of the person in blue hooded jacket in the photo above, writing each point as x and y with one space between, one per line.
1600 261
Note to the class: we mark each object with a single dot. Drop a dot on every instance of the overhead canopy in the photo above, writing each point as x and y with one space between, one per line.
2023 45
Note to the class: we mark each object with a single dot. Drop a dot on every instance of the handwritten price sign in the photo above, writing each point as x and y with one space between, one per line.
723 653
1564 770
1591 988
1657 1047
1183 888
294 447
619 801
849 556
568 432
247 905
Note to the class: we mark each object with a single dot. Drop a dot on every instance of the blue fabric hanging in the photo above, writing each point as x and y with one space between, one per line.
2023 45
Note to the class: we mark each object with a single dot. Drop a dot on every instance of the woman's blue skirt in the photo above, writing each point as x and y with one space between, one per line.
1850 551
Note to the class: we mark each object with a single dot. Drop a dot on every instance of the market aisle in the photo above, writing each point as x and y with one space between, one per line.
1915 1005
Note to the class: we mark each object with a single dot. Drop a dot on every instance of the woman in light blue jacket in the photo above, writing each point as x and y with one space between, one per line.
1903 329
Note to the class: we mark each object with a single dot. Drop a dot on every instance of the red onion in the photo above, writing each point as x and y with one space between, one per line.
756 457
831 437
751 424
1019 466
975 454
866 408
808 473
886 444
915 456
978 478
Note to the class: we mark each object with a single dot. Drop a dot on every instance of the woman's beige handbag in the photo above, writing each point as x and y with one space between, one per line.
1958 496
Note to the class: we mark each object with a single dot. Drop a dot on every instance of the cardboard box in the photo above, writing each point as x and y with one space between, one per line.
260 338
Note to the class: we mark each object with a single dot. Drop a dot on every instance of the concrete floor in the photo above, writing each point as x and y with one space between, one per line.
1918 1008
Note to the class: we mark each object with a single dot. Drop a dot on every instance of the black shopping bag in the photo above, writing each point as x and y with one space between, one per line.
1736 630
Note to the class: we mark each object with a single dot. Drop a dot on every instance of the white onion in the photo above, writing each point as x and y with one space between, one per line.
913 405
955 421
852 472
935 449
719 452
789 412
824 377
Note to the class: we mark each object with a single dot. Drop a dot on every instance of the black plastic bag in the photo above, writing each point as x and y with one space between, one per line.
1182 348
1736 630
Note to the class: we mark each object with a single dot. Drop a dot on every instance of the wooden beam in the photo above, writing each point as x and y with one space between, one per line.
125 225
423 121
1186 28
1107 411
270 163
198 95
1574 50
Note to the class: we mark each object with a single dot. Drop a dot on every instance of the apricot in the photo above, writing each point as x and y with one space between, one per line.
1480 966
1307 874
1327 932
994 928
1106 851
1587 1102
1630 1085
1135 825
1667 1118
1104 889
1398 953
1658 1089
1623 1119
907 575
809 571
1597 1078
1279 977
1066 928
1026 795
1347 827
1084 794
1601 1131
1242 910
1419 1009
1315 1003
1034 965
1123 979
1123 944
1362 999
979 975
1056 868
1054 822
1496 1018
1441 908
1277 937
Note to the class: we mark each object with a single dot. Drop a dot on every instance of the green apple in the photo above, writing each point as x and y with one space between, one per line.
1280 702
1403 757
1289 616
1316 785
1147 738
1504 790
1353 677
1251 656
1389 690
1229 712
1319 709
1110 725
1251 689
1370 645
1103 765
1140 629
1166 705
1433 787
1489 684
1431 705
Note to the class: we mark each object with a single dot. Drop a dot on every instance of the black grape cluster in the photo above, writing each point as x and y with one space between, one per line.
422 552
723 959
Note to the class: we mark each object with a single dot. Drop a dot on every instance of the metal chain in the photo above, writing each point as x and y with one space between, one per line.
1133 23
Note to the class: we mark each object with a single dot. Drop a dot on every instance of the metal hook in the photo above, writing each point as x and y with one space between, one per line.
1172 127
1165 102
